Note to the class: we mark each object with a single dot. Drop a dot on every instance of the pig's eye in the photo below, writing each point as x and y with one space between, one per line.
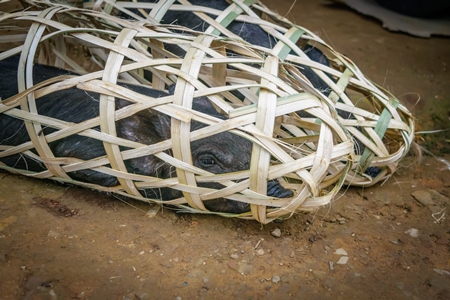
207 161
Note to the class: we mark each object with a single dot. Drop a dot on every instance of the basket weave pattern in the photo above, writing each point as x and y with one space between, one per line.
297 134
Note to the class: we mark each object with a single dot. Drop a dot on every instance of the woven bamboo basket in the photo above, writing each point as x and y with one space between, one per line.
382 128
259 97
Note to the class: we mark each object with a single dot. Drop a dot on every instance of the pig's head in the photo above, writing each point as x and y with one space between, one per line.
225 153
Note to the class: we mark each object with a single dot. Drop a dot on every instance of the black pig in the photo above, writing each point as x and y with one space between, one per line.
220 153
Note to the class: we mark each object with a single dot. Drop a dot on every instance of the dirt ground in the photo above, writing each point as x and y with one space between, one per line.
390 241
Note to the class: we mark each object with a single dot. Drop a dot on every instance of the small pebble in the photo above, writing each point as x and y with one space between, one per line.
234 256
423 197
260 252
397 242
412 232
331 265
142 296
275 279
53 234
341 220
343 260
442 272
340 251
276 233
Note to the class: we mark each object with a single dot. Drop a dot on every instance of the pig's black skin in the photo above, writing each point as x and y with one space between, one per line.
249 32
221 153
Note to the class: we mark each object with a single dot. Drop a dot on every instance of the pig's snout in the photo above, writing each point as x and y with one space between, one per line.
275 189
